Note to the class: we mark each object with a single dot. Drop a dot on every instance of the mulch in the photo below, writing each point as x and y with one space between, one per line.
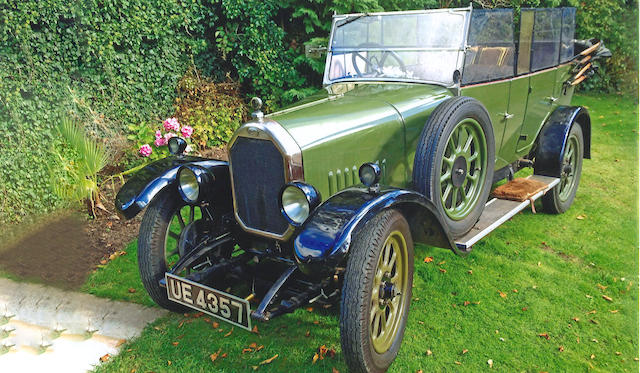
64 249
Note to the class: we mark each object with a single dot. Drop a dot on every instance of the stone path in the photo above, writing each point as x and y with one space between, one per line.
44 329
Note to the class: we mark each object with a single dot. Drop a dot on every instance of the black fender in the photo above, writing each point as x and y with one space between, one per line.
324 240
140 189
553 138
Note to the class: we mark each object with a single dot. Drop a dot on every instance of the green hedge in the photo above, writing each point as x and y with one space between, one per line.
113 63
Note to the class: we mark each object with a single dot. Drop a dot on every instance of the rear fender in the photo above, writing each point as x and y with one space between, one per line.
139 190
553 138
324 241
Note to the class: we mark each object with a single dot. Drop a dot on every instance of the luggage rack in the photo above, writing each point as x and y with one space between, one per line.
497 211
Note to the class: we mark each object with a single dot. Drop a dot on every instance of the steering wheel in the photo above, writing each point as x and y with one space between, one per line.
374 64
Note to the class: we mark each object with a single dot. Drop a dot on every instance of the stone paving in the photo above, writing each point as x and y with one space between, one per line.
45 329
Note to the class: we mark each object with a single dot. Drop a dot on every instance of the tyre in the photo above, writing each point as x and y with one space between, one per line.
376 293
163 222
560 198
454 161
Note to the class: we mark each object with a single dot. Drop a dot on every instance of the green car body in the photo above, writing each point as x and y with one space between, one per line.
381 122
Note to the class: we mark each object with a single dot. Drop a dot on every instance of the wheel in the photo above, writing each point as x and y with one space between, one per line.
376 293
560 198
166 219
454 161
375 60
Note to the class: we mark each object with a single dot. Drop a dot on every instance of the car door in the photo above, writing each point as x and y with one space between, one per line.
543 60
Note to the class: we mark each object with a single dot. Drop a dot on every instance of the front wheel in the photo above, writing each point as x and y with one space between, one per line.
560 198
376 293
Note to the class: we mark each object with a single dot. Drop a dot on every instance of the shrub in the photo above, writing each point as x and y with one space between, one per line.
213 110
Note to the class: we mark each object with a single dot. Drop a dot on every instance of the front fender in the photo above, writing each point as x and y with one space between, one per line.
324 241
553 138
139 190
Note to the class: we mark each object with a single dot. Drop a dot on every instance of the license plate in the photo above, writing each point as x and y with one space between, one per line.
211 301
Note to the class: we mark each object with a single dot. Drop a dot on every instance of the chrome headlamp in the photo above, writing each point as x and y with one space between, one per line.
369 174
192 182
177 145
297 200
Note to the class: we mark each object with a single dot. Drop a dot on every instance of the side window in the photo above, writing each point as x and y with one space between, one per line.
491 52
524 47
545 46
568 32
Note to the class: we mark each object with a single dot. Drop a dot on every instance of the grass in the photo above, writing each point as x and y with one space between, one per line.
536 275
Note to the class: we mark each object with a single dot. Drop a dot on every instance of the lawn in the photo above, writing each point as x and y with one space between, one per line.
541 293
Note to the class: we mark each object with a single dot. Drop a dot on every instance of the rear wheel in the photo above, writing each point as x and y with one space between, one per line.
376 293
560 198
454 162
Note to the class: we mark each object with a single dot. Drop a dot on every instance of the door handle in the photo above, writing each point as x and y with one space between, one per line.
507 115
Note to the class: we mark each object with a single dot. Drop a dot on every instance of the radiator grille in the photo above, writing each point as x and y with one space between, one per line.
258 176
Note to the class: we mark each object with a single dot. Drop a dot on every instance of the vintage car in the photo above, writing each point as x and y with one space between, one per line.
422 113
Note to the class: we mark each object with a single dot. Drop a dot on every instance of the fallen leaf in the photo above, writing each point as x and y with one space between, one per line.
524 308
207 320
429 353
428 259
618 353
316 322
315 358
635 359
561 348
253 345
120 342
442 270
593 356
181 323
544 335
308 333
309 309
613 311
260 348
576 319
591 312
214 355
602 287
229 333
246 350
334 370
466 303
503 295
465 351
420 322
105 357
476 302
168 362
594 340
215 325
490 362
224 355
199 314
608 299
594 321
458 363
175 343
132 290
419 371
441 263
255 329
269 360
103 262
580 217
515 290
470 272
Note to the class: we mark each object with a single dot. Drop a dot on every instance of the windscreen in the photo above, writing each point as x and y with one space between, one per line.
414 46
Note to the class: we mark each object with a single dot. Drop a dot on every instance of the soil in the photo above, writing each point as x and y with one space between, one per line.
63 250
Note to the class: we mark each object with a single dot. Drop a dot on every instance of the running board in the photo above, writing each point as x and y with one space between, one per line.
498 211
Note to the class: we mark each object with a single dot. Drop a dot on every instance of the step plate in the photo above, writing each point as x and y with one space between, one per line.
497 211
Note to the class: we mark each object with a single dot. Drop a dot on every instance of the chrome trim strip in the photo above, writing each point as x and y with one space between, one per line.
268 129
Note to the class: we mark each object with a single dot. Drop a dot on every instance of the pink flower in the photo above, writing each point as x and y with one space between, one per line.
169 135
171 124
186 131
145 150
158 134
160 141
